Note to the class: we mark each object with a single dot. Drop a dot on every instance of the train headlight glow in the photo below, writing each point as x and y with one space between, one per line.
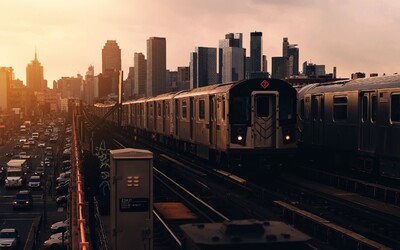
240 138
287 137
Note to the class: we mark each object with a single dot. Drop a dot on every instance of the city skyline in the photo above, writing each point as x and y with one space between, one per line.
68 37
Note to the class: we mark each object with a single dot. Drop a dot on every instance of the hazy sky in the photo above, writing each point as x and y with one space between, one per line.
353 35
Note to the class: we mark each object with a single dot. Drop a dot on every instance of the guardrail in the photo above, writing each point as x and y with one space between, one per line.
79 195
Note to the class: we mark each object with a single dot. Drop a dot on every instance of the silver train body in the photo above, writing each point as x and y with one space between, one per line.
353 124
250 121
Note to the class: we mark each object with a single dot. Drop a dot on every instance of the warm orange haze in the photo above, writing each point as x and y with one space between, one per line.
354 36
199 125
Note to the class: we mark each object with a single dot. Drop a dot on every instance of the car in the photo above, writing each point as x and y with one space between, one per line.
59 227
39 170
9 238
41 144
35 182
62 200
17 146
56 235
24 155
22 140
31 141
46 162
62 188
26 146
56 242
10 154
23 199
64 176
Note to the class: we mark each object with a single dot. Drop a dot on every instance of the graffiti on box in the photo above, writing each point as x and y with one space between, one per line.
104 156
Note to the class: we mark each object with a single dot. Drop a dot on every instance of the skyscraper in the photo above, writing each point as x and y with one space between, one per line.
256 51
156 65
129 84
34 76
183 78
193 70
111 57
292 53
279 67
204 67
6 76
231 58
233 64
89 85
231 40
140 64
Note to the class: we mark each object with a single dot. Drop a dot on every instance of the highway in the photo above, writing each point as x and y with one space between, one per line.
32 224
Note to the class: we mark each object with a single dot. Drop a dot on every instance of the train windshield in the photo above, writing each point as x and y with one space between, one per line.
287 110
240 112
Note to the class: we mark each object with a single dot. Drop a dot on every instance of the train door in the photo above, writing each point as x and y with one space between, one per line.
317 119
264 114
156 110
191 108
368 105
212 120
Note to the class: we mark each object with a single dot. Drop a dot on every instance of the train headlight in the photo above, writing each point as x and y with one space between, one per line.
238 134
288 135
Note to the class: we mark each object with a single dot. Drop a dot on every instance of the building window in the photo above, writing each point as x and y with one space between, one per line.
159 109
339 108
395 108
201 109
184 109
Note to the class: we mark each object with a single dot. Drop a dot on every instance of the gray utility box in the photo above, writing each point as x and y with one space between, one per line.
131 208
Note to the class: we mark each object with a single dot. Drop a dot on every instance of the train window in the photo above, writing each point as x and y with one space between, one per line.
201 109
322 112
159 109
262 106
167 109
339 108
395 108
364 106
314 108
302 109
241 107
184 109
223 108
373 108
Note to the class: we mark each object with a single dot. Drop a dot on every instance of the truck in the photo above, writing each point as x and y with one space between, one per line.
17 163
15 177
15 173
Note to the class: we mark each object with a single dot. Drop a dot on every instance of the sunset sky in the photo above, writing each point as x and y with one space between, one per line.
353 35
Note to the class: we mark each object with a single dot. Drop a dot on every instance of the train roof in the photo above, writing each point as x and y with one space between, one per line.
359 84
164 96
210 89
103 105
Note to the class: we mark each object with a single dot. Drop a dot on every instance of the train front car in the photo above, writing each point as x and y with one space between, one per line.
262 123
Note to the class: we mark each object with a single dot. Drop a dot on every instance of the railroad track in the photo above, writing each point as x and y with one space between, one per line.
312 217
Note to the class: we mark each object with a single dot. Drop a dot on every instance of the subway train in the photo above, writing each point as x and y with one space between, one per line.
354 125
236 124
